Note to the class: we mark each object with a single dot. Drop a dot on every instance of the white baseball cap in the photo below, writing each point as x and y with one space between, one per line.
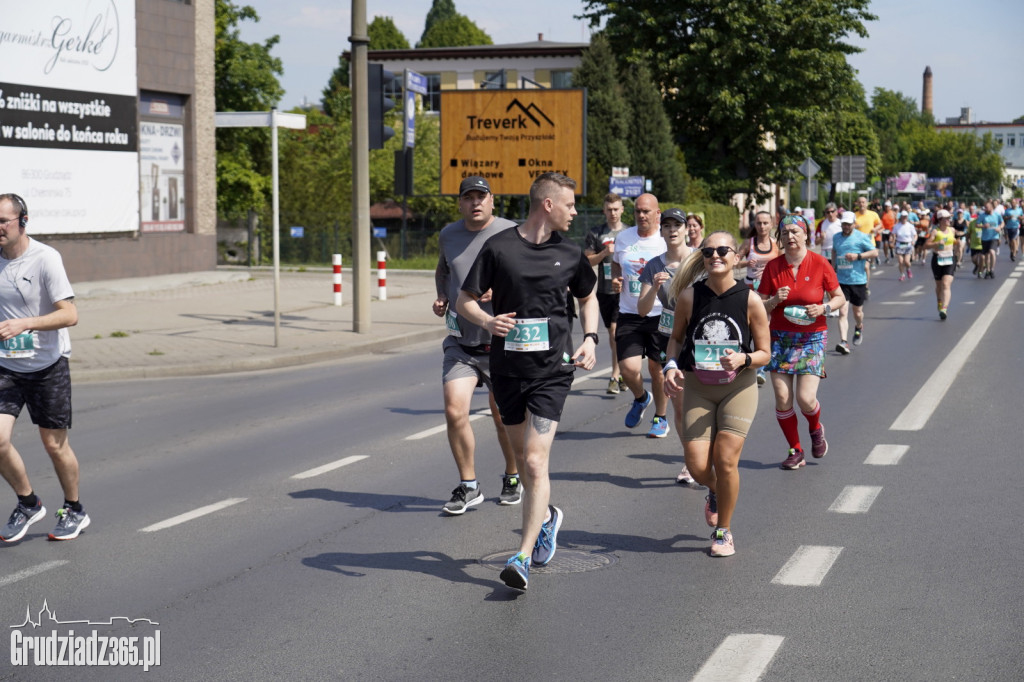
848 217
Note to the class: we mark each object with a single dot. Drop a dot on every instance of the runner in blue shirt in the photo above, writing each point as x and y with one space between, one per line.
991 223
850 249
1012 217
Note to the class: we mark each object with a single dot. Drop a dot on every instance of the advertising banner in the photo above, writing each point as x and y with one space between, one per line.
68 111
162 153
911 183
510 137
940 187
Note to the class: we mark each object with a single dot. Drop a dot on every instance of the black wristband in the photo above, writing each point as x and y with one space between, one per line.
746 362
593 335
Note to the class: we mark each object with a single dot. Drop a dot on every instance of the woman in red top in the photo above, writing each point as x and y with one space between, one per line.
793 287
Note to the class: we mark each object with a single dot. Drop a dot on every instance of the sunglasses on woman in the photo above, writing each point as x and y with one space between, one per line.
722 251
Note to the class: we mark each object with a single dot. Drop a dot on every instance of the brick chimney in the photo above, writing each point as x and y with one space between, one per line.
926 93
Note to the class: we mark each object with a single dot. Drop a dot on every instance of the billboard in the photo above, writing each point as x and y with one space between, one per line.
940 187
68 112
911 183
510 137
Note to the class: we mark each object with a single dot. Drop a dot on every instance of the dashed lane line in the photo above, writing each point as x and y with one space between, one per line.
921 406
855 499
740 658
316 471
916 291
808 566
194 514
31 571
886 455
897 302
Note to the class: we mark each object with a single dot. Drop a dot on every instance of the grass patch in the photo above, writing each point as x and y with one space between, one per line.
119 335
155 352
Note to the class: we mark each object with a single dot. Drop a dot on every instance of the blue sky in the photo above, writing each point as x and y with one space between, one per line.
975 49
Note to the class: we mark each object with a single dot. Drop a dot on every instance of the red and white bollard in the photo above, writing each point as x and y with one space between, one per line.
336 261
382 276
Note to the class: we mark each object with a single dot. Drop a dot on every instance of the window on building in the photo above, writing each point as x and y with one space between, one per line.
561 79
1011 140
432 102
999 139
493 80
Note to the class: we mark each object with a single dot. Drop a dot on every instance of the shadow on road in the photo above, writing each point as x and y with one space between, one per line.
392 503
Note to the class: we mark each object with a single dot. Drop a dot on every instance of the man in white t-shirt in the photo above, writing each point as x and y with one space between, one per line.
830 226
36 308
636 335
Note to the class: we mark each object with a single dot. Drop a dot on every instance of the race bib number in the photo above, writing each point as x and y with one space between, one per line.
707 355
452 323
607 269
633 288
667 320
943 261
845 265
886 231
528 335
21 346
797 314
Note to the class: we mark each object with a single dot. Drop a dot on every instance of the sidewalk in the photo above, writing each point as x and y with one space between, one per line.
223 321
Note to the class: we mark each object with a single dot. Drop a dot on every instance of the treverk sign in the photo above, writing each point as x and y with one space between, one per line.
512 136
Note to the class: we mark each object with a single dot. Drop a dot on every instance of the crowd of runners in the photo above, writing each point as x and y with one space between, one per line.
714 317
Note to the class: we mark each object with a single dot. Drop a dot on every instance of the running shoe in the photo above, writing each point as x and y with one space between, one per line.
69 523
795 459
659 428
613 387
684 478
636 412
819 446
762 376
516 573
902 278
622 385
462 499
511 490
942 314
843 347
721 543
990 275
711 510
858 336
21 518
910 273
547 540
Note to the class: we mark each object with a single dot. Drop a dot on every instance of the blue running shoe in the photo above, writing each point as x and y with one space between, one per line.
636 412
516 573
547 541
659 428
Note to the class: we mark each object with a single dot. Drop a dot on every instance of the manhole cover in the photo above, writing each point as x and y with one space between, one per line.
566 561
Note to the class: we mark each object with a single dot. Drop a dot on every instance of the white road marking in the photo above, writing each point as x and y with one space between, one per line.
739 658
1014 275
922 405
583 375
486 412
316 471
969 302
30 571
886 455
1019 302
916 291
194 514
808 566
855 499
897 303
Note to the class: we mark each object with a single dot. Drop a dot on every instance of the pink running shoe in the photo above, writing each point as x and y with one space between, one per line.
902 277
711 510
795 459
721 543
819 446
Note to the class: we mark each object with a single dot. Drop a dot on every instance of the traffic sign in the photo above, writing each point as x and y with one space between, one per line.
809 168
849 168
630 186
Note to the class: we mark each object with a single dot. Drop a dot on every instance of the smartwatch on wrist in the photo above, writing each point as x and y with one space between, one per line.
746 362
594 336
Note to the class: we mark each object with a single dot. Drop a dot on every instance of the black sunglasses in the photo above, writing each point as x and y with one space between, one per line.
722 251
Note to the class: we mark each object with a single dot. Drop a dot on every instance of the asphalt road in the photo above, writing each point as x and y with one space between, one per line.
911 568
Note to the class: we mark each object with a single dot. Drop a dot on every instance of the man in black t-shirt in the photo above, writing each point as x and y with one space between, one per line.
599 247
530 271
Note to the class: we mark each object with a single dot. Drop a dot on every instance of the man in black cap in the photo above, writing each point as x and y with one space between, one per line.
467 346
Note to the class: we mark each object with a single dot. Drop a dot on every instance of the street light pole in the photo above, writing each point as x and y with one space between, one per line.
360 171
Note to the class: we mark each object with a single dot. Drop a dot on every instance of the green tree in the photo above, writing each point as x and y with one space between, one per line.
439 11
652 149
245 80
383 35
608 116
898 125
746 84
454 31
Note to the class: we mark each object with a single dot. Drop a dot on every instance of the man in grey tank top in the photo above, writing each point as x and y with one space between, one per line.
466 348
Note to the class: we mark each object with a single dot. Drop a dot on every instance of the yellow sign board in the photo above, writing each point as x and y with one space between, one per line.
510 137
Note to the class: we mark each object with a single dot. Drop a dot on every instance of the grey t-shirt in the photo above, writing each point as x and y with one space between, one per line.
459 248
29 286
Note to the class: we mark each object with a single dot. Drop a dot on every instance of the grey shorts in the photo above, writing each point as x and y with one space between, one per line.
46 392
461 363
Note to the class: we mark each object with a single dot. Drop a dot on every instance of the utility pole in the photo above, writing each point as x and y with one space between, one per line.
360 172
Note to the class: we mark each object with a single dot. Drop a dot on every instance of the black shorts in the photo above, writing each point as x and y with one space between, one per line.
920 242
940 271
544 397
639 336
609 305
856 294
46 392
886 238
989 245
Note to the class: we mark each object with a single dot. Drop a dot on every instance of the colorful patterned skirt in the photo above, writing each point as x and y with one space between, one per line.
798 352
